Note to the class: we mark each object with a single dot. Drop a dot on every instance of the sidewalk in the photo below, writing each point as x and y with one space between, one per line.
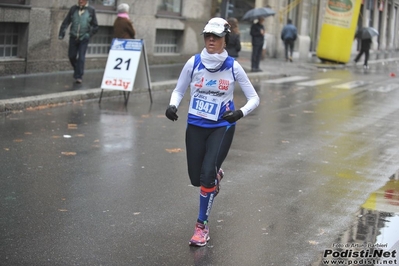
24 91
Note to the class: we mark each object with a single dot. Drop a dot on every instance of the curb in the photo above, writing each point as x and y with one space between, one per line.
48 99
54 99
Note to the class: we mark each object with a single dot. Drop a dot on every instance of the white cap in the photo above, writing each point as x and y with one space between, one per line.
217 26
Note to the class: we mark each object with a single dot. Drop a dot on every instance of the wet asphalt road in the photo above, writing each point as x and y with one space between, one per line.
89 184
45 83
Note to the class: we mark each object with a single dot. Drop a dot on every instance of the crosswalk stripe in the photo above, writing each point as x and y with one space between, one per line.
287 79
312 83
350 85
316 82
387 88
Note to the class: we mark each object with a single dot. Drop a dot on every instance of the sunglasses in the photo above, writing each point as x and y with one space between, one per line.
208 35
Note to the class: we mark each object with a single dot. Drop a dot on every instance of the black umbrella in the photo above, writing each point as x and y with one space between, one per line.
366 33
258 12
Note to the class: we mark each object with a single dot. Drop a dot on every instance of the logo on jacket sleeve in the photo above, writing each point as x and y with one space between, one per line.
211 83
224 84
200 83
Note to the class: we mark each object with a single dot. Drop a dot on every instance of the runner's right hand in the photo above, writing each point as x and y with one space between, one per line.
171 113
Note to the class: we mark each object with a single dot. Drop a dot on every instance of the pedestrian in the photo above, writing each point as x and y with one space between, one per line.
83 21
289 35
123 26
365 45
257 32
233 47
264 48
212 116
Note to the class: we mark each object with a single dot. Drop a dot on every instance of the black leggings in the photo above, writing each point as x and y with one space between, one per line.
206 149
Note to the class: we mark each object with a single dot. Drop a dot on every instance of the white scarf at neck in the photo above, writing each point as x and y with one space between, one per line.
213 61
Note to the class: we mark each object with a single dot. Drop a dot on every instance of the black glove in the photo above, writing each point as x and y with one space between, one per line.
171 112
232 116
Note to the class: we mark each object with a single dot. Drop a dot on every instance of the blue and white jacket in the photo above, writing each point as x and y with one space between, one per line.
216 84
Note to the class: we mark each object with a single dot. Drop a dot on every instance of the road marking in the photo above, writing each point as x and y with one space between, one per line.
287 79
316 82
389 87
350 85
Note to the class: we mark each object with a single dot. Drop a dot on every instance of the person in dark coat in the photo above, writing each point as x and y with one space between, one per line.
257 32
365 45
233 47
288 36
123 27
83 21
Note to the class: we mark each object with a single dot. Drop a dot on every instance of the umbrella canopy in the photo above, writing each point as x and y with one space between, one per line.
258 12
366 33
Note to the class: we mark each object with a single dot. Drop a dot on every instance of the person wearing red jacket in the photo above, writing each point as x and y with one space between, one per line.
123 27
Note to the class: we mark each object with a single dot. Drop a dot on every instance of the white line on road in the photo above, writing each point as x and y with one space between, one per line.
316 82
350 85
287 79
389 87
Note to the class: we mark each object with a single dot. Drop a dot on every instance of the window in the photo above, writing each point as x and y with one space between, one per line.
8 40
293 11
13 2
103 4
100 43
313 24
166 41
169 7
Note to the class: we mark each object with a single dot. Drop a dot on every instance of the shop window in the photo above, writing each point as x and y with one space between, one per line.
9 33
293 11
103 4
169 7
13 2
100 43
167 41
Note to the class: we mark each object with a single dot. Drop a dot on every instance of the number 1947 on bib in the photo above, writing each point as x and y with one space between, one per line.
203 106
206 107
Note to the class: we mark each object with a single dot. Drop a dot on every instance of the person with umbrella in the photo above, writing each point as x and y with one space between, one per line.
365 35
257 32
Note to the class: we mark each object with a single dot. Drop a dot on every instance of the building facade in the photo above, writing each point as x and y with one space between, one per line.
170 28
308 16
29 32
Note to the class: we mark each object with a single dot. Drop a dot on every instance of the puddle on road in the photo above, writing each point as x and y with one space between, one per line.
373 239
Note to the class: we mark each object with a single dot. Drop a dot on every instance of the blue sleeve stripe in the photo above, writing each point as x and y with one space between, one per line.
197 60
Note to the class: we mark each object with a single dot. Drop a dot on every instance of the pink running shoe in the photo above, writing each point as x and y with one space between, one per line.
201 235
219 177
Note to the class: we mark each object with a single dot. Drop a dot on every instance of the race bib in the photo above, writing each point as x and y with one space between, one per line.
205 106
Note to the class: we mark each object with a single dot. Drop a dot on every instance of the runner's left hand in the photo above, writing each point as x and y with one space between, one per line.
232 116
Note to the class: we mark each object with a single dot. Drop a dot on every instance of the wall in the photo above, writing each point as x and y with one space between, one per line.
43 52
